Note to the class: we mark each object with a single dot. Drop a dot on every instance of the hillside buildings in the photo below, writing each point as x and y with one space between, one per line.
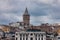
30 35
25 31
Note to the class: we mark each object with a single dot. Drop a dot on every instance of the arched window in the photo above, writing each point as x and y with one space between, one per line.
16 39
31 34
31 38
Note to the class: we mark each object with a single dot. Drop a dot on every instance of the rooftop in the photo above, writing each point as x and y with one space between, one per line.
34 30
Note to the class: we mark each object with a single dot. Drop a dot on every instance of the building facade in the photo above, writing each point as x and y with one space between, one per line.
30 35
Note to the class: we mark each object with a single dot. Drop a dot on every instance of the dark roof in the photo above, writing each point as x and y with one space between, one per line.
34 30
26 12
49 33
10 33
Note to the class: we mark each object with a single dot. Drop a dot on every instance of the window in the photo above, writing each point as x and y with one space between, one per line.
26 38
36 38
20 38
16 38
58 37
31 38
31 34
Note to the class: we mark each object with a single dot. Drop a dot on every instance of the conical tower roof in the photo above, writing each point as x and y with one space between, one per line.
26 12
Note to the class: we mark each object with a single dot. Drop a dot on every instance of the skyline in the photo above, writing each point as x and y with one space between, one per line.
41 11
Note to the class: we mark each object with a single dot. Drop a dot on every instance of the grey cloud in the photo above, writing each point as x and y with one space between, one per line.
12 10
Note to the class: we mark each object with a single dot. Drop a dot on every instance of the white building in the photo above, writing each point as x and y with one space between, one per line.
30 35
14 24
50 36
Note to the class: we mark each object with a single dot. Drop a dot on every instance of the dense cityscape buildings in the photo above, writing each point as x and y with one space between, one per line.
25 31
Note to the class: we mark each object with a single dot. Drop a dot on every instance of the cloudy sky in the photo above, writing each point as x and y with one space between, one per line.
41 11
